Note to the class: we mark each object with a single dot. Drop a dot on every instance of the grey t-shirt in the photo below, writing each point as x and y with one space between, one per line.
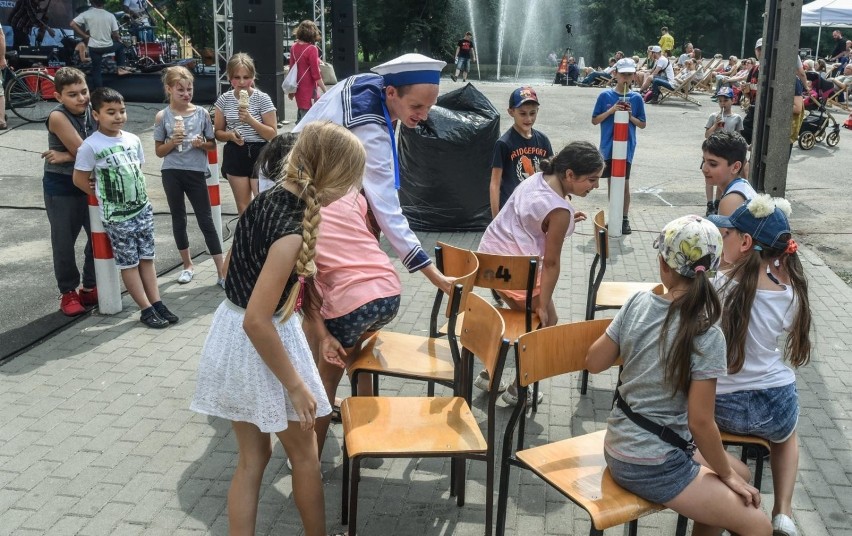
194 124
636 330
732 123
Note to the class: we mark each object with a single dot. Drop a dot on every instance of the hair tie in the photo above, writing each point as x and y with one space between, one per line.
300 297
792 247
700 268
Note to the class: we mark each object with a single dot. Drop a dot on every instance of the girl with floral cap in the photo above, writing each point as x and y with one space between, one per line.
764 295
674 341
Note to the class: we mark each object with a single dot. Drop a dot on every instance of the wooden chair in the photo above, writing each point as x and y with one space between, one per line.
431 358
834 99
680 91
602 295
428 427
746 442
575 467
512 272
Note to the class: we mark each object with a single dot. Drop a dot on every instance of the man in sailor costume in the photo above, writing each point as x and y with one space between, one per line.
404 89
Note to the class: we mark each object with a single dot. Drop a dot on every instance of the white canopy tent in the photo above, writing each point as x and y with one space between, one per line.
827 13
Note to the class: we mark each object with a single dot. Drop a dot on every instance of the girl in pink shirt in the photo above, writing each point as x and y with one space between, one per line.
537 219
359 292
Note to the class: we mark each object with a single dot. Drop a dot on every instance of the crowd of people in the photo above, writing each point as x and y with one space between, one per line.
698 359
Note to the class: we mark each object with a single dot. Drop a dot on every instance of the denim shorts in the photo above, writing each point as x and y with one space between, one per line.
656 483
133 239
371 316
768 413
463 64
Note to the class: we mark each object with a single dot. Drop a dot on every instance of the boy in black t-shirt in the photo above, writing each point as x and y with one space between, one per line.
518 151
464 53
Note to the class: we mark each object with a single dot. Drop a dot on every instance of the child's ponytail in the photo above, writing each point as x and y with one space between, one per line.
697 310
797 349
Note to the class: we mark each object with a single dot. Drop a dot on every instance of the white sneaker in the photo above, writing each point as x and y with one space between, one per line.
221 282
511 398
185 276
783 526
482 380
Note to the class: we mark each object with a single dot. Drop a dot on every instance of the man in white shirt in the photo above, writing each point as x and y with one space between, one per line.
661 76
140 21
101 31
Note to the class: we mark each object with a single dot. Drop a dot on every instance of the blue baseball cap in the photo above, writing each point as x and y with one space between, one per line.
523 95
764 218
726 92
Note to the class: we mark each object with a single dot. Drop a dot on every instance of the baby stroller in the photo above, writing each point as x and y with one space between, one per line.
819 125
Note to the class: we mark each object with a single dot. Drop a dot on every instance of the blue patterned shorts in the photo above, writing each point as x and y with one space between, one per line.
133 239
371 316
768 413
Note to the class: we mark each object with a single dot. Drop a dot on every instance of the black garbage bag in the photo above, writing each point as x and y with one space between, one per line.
445 164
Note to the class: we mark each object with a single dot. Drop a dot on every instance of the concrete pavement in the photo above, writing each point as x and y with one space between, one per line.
96 436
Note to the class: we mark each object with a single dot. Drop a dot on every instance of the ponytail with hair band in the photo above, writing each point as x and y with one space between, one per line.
792 247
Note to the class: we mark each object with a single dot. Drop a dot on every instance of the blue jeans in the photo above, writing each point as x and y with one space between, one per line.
97 55
659 81
595 76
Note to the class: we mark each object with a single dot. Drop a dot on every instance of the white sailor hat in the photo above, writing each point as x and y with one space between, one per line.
410 69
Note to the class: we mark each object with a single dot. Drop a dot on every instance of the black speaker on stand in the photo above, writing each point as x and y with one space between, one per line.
259 31
344 38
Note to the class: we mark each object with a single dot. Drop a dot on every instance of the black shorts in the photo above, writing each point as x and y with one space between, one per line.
239 160
607 172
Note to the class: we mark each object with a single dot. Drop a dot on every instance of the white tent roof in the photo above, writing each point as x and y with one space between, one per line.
833 13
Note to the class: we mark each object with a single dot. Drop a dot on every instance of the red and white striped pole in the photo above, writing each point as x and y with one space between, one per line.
213 192
106 273
618 172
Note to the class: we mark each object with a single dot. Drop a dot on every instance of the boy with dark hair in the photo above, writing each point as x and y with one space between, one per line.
724 158
67 209
610 101
728 121
114 158
518 151
465 52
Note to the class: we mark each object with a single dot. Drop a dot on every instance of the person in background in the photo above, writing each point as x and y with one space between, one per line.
304 54
3 68
101 33
465 52
667 41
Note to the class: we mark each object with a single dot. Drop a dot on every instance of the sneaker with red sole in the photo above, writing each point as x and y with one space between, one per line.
70 304
89 298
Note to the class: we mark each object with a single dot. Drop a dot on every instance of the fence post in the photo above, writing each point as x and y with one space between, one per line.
106 273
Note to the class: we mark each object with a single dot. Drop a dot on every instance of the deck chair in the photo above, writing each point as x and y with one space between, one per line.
602 295
746 442
681 91
429 358
429 427
834 99
512 272
575 467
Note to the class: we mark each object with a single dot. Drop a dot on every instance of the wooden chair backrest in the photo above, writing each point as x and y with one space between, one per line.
462 265
600 225
482 331
505 272
557 350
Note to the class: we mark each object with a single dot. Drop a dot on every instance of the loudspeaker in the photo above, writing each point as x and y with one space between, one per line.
344 37
263 41
259 10
270 83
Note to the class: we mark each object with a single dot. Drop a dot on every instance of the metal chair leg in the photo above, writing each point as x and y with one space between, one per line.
633 528
502 498
430 389
681 525
353 496
460 481
535 398
344 492
584 382
758 469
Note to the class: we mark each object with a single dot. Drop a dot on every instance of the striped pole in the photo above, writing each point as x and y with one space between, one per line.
618 172
106 274
213 192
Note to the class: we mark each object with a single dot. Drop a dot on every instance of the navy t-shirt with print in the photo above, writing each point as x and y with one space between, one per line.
518 157
465 46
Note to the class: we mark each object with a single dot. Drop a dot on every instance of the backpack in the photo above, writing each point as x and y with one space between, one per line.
291 81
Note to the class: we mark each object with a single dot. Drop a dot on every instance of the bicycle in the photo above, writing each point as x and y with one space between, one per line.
29 93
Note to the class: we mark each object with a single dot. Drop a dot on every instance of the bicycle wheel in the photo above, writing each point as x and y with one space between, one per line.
30 96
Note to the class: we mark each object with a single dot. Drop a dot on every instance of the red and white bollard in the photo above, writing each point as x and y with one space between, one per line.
618 172
106 273
213 192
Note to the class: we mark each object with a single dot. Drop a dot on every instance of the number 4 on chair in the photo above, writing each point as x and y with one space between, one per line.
503 273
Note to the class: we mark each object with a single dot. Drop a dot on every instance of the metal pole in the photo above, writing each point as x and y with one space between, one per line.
745 21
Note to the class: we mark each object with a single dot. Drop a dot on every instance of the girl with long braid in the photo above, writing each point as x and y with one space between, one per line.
256 368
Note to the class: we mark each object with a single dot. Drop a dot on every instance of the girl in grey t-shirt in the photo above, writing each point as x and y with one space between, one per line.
673 351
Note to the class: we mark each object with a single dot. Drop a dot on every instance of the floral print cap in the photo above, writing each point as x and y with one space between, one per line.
690 243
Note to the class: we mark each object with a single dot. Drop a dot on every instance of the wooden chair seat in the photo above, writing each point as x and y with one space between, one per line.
422 427
576 467
613 294
752 441
412 356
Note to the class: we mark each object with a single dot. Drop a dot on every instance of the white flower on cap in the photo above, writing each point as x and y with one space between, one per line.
410 69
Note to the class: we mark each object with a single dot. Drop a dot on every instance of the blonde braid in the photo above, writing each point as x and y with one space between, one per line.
305 267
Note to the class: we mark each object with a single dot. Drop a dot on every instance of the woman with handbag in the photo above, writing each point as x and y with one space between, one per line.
304 55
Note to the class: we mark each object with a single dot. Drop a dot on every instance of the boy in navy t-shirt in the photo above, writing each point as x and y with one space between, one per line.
610 101
518 151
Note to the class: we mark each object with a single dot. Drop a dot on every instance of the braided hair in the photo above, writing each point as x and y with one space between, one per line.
326 162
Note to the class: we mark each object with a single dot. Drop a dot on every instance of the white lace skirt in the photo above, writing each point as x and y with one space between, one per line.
235 384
